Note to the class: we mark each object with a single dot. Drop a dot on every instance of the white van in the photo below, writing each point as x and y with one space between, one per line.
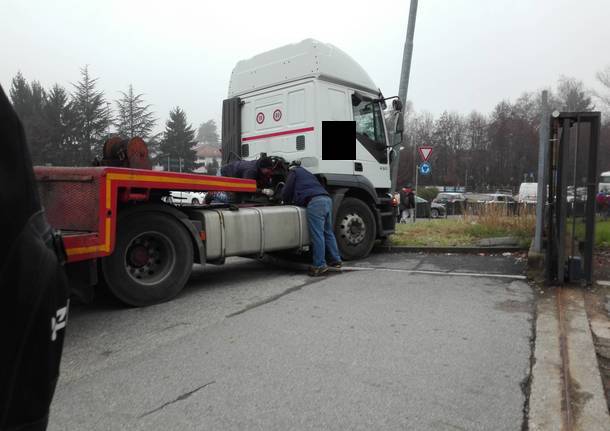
528 193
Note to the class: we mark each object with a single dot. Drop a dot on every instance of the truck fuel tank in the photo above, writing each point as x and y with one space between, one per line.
254 230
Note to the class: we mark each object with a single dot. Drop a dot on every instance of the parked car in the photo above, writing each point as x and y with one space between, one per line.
454 203
186 198
500 198
437 210
446 197
581 194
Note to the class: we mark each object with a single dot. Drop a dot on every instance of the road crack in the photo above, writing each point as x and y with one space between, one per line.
275 297
175 400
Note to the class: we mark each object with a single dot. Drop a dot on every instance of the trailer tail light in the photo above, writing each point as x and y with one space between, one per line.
202 235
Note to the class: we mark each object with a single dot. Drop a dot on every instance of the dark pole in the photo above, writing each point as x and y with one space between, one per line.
590 202
562 179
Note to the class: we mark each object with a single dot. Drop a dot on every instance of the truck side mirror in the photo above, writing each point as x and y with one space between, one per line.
397 105
399 125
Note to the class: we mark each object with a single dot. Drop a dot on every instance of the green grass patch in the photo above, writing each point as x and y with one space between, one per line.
602 231
433 233
490 222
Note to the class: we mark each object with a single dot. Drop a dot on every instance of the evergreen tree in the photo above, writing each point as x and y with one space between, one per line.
61 147
91 116
28 101
134 117
208 133
21 95
178 142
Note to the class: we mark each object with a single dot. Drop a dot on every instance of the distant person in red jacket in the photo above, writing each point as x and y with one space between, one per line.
603 203
407 202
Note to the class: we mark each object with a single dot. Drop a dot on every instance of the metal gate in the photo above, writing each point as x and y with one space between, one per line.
572 187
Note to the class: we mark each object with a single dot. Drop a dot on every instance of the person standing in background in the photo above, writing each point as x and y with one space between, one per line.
407 204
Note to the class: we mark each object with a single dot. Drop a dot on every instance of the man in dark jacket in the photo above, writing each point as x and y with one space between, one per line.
259 170
33 288
303 189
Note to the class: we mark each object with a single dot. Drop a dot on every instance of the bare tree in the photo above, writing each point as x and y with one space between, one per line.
573 96
604 78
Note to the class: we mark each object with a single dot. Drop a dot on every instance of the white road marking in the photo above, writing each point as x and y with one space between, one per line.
422 271
603 283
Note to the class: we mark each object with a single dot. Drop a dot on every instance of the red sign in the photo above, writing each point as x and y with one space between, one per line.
425 153
277 115
260 117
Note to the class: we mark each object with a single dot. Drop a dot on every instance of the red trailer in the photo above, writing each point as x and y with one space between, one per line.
114 220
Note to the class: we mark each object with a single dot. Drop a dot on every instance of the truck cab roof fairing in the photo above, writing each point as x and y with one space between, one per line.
306 59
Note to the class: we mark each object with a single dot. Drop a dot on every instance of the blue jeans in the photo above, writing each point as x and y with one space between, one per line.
321 235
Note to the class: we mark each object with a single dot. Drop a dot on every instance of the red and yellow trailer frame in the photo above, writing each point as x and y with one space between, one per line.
83 203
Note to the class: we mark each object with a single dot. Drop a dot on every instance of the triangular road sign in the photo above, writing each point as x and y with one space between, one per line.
425 153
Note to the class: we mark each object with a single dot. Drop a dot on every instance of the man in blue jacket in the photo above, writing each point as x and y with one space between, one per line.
259 170
303 189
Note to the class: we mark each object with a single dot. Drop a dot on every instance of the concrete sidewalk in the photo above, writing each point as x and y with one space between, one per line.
566 389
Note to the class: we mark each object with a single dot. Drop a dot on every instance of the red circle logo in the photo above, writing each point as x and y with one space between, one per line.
260 117
277 115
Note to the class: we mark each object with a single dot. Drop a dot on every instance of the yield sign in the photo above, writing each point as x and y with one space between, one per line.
425 153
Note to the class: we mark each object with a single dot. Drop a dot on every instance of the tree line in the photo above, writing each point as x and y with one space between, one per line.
498 150
479 151
69 128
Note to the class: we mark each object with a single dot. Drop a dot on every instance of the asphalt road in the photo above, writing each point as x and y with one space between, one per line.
248 346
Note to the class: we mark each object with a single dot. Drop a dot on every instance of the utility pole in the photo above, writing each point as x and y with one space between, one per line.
543 145
404 80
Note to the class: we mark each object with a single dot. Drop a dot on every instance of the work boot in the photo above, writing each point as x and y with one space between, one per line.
317 271
336 265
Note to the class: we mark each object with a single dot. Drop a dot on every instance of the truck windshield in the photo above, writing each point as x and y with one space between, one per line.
369 129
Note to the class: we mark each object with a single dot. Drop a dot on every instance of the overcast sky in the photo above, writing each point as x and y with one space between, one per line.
469 54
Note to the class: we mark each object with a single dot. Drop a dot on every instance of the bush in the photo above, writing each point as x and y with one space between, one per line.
427 193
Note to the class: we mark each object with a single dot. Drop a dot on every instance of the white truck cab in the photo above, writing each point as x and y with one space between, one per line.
277 103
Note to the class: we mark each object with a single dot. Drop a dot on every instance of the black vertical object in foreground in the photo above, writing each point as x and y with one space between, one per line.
33 288
555 229
338 140
231 130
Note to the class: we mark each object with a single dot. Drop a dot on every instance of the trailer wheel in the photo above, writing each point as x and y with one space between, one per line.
355 229
152 260
195 201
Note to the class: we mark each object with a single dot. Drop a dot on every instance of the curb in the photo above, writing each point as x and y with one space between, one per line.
535 259
463 250
565 368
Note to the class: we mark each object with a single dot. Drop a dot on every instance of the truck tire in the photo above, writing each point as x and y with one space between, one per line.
195 201
355 229
152 259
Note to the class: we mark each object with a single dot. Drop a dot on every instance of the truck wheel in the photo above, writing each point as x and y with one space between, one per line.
152 259
195 201
355 229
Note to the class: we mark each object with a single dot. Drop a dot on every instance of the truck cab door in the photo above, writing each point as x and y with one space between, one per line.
371 145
